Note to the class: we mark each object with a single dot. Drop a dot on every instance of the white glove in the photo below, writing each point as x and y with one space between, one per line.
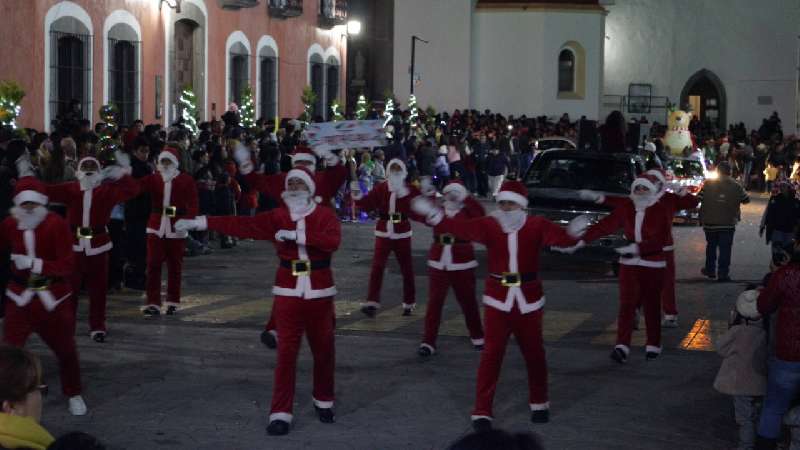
683 191
423 206
115 172
591 196
243 159
426 186
24 166
630 249
569 250
286 235
123 159
22 262
355 191
577 226
199 223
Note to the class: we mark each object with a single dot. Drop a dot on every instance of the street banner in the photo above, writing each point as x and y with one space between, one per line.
345 134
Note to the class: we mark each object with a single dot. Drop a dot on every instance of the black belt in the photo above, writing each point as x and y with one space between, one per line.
509 279
88 232
394 217
447 239
304 266
170 211
35 282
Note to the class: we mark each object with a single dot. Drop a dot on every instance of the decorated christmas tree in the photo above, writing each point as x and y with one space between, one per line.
413 117
388 108
309 98
106 144
336 110
188 106
361 108
247 109
11 95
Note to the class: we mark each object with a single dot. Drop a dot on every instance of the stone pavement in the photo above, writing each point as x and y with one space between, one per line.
202 379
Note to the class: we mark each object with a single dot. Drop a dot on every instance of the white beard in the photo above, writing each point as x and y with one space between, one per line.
88 180
396 182
451 208
510 221
642 202
167 174
298 202
28 220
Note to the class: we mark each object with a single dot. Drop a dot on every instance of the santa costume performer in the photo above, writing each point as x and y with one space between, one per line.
38 291
451 262
305 237
392 200
173 195
89 204
327 181
643 262
672 203
513 296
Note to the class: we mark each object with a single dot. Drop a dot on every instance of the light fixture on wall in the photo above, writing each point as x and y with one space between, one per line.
176 6
353 27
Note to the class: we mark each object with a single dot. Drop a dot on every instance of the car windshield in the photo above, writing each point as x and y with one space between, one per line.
597 174
686 168
556 143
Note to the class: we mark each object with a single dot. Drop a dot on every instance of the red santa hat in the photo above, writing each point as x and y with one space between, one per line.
304 154
647 181
29 189
513 191
457 188
171 154
303 175
659 175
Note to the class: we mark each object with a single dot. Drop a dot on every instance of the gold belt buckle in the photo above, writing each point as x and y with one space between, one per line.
85 233
396 217
170 211
300 267
510 279
447 239
38 283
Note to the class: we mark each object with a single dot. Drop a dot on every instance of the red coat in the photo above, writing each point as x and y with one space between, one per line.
460 255
327 183
98 202
651 229
181 193
381 200
54 259
318 236
516 252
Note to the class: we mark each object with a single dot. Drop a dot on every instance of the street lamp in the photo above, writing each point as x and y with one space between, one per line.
414 40
353 27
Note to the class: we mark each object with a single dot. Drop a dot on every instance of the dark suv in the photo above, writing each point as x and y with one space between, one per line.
556 177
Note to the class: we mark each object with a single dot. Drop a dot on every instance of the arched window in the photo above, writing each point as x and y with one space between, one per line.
268 82
332 84
70 69
123 72
318 84
239 72
566 71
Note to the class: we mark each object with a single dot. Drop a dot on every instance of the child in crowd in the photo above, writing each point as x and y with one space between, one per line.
743 374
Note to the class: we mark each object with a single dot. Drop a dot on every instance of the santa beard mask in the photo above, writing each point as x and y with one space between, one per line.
298 202
167 173
28 219
88 180
643 201
510 221
396 181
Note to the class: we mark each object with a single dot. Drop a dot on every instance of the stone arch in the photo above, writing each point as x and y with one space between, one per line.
578 91
708 78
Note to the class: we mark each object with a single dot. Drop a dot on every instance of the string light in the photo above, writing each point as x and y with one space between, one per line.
412 105
361 108
188 104
247 109
388 111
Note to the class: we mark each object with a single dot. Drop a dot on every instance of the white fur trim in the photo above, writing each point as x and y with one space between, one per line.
143 307
653 349
451 266
669 248
168 155
457 188
429 347
30 196
398 162
304 157
540 406
309 294
409 306
638 261
372 304
37 265
480 341
474 418
286 417
89 158
625 349
392 235
303 176
92 334
512 197
506 306
172 304
645 183
637 227
670 317
322 404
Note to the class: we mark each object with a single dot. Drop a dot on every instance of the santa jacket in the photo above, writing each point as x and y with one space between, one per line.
672 204
460 255
387 204
318 236
650 229
511 253
54 259
327 183
180 193
92 209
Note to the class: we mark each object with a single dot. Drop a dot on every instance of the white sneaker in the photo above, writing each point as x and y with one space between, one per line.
77 407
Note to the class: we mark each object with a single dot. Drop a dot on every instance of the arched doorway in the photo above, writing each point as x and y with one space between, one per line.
186 58
705 95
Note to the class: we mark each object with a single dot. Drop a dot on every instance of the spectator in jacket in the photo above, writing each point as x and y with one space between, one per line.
719 214
496 169
781 216
21 392
782 295
137 212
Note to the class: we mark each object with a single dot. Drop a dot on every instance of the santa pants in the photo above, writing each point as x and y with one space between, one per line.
295 316
158 251
401 249
527 330
640 286
93 270
668 289
463 282
56 328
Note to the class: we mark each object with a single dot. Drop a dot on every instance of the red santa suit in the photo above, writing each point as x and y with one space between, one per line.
89 206
642 264
392 233
173 195
451 262
305 239
38 290
513 295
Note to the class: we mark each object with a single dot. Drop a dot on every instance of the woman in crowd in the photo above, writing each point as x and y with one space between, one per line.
21 394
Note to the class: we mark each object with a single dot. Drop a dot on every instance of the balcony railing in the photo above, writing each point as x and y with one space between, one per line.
233 5
283 9
332 13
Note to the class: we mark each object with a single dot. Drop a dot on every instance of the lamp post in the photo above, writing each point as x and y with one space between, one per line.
414 40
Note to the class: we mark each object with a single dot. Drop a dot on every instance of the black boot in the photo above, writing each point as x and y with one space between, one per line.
151 311
325 414
369 311
619 356
278 428
424 351
763 443
540 416
172 310
481 425
269 340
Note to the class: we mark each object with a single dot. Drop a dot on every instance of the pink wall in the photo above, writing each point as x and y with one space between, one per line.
22 54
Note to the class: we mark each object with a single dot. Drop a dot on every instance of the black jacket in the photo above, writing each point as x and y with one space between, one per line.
137 209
